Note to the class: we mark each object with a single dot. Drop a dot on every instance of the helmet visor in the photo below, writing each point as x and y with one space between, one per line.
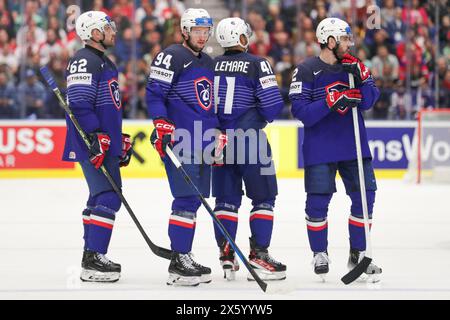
111 24
348 37
203 22
249 31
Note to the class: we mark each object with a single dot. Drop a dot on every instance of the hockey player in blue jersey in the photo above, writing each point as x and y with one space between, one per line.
247 98
180 99
322 99
94 98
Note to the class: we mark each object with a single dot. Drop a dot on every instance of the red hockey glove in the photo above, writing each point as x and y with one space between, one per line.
127 150
339 101
162 135
221 142
100 143
353 65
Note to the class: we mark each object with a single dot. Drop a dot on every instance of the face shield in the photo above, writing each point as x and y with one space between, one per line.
109 24
347 37
204 22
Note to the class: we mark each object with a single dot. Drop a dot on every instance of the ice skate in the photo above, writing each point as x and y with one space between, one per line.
265 266
372 273
228 261
96 267
321 263
182 271
205 271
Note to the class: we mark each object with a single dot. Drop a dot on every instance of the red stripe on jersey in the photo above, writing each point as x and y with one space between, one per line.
182 224
261 216
357 224
102 224
227 217
317 228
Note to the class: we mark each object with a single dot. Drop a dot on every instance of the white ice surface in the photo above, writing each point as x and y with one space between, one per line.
41 241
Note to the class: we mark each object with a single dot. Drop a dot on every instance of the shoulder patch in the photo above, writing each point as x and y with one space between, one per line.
79 78
268 81
161 74
296 87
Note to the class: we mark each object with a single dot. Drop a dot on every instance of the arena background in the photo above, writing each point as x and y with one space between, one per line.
405 44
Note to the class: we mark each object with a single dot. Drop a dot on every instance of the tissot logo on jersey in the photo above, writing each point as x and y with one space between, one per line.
161 74
79 78
115 92
203 92
296 87
338 86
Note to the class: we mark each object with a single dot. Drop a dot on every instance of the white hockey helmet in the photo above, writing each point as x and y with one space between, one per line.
333 27
196 18
91 20
229 30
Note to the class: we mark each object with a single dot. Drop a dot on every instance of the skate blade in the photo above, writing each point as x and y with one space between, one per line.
268 275
369 278
97 276
177 280
373 278
205 278
323 277
229 274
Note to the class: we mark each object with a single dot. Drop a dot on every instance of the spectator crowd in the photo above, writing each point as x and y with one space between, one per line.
401 51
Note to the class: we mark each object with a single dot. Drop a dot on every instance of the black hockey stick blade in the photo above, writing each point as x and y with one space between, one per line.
357 271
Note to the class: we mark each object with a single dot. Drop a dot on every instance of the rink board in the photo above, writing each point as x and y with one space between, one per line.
33 149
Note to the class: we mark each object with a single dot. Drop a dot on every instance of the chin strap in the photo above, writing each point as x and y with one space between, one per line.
101 42
334 50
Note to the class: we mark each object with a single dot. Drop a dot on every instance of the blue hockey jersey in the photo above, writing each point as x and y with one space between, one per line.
180 88
246 91
94 98
329 136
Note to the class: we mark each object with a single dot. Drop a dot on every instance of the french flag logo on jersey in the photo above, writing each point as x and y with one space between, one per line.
115 92
338 86
203 92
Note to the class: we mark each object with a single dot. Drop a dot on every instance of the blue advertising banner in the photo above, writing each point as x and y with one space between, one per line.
391 145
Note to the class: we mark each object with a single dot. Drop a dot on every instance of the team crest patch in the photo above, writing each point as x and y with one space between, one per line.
115 92
203 92
338 86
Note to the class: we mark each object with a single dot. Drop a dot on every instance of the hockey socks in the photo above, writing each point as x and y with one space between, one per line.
316 221
101 224
261 224
86 222
356 220
356 232
317 234
228 216
182 230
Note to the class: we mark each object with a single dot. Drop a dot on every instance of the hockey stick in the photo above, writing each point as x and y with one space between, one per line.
159 251
224 231
359 269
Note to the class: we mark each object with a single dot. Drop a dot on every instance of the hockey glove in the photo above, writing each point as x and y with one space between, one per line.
353 65
162 135
127 150
219 150
100 143
339 101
